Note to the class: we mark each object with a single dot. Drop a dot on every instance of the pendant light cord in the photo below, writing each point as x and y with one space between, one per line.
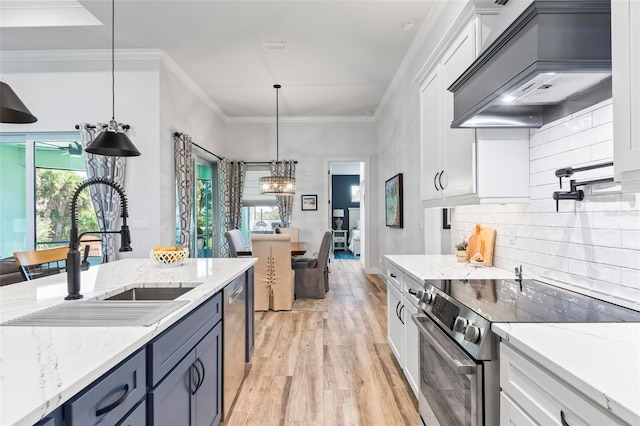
277 86
113 60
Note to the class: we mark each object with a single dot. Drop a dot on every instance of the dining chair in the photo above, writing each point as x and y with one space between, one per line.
312 274
294 232
40 263
235 242
273 277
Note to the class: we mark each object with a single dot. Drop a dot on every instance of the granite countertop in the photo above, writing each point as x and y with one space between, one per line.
42 367
601 360
444 266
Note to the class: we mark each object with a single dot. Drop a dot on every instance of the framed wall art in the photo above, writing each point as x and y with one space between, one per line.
309 202
393 201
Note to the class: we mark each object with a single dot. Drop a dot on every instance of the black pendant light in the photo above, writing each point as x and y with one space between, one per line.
112 141
277 185
12 110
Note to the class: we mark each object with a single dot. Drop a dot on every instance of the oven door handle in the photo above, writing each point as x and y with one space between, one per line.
460 366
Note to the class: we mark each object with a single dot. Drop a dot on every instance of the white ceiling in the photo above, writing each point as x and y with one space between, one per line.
339 60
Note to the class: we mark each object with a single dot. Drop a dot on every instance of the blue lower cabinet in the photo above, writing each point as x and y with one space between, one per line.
170 403
191 393
209 394
108 400
138 417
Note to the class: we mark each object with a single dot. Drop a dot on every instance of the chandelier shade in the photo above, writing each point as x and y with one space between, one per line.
277 185
12 110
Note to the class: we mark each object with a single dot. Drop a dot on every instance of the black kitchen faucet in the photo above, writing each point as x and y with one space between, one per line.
73 256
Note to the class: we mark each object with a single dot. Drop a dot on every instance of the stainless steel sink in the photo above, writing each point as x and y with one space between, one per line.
150 293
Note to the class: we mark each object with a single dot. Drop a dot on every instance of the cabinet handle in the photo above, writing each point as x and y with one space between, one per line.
562 420
413 292
440 180
105 410
397 313
393 275
204 373
193 367
400 316
435 177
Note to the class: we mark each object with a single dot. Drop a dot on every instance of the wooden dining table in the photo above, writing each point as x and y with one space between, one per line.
298 248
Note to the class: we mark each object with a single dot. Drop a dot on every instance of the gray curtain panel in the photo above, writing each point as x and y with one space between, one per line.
231 175
105 199
184 186
285 202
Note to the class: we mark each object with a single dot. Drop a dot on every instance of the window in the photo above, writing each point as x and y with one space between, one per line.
260 213
38 174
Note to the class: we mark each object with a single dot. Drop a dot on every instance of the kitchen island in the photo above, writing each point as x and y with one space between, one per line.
43 367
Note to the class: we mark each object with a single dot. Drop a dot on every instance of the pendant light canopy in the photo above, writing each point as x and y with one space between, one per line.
112 141
12 110
277 185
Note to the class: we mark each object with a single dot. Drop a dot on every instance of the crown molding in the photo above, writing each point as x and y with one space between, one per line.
181 74
80 55
307 119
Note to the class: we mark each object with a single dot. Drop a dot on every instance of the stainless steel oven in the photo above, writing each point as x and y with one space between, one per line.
459 358
452 384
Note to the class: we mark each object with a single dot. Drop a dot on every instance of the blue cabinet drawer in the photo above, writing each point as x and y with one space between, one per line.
112 396
137 417
166 350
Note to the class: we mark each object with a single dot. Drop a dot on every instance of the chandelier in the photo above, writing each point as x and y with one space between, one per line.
282 183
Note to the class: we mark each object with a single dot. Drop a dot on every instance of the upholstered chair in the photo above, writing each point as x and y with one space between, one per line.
236 244
312 274
274 278
294 232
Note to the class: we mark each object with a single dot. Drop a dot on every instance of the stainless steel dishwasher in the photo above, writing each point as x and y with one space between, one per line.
233 362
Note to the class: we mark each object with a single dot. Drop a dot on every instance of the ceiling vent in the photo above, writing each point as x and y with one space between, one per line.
280 45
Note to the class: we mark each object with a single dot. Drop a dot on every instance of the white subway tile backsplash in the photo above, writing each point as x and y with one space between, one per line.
539 138
591 136
548 149
630 240
603 115
603 150
625 220
617 256
593 244
630 278
595 271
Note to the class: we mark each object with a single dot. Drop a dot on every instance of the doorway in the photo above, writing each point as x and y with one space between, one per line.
347 209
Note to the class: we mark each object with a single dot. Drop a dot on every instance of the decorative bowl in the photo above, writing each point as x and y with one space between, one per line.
172 256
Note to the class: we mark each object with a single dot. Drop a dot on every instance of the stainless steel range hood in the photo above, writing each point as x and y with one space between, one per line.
553 60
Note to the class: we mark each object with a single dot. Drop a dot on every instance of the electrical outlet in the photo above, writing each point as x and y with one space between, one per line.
510 232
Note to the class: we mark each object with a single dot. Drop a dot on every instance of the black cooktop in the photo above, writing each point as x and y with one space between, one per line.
532 301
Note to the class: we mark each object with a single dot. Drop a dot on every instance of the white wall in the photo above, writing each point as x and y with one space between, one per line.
313 145
62 92
593 244
63 89
398 129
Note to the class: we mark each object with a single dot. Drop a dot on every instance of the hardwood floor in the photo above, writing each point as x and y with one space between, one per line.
327 362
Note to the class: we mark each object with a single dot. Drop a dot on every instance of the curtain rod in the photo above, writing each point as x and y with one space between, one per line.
266 163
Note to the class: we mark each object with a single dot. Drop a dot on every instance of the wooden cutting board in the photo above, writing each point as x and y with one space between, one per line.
482 241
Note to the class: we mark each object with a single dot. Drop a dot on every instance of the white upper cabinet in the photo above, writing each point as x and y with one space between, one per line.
431 135
625 38
465 166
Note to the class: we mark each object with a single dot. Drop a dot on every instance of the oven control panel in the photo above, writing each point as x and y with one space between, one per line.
445 311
